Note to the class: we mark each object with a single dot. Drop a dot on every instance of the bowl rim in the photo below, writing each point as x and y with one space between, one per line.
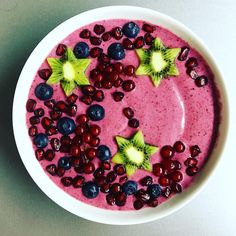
22 139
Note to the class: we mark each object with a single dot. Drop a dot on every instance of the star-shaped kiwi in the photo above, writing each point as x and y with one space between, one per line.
68 70
158 61
134 153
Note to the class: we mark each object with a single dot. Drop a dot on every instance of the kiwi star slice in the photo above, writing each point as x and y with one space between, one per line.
134 153
158 62
70 71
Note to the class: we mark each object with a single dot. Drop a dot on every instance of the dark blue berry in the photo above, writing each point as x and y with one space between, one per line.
130 29
130 187
90 190
41 140
81 50
66 125
43 91
65 163
96 112
116 51
154 190
103 153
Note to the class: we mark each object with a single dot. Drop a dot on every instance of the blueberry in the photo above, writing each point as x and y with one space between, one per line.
90 190
41 140
130 187
66 125
154 190
81 50
130 29
116 51
64 162
103 153
96 112
43 91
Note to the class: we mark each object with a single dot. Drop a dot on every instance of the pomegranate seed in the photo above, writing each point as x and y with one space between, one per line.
94 130
168 166
107 84
105 188
61 106
183 54
105 165
179 146
49 155
128 85
65 148
153 203
77 140
65 140
148 28
50 103
55 144
192 170
113 76
98 84
98 172
60 171
128 112
51 169
138 204
133 123
100 67
85 34
95 40
167 151
98 95
61 49
51 131
118 67
75 150
66 181
191 162
115 188
118 82
121 199
178 165
164 181
123 179
177 176
95 52
89 168
44 73
94 142
33 131
129 70
157 169
86 137
192 73
98 78
34 120
78 181
79 130
72 110
111 200
30 105
201 81
127 44
146 181
139 42
104 58
93 73
148 38
86 99
176 187
166 192
72 98
90 153
55 115
195 151
47 123
191 62
39 153
117 33
111 176
142 195
76 161
106 36
39 112
88 90
118 96
98 29
79 169
101 181
119 169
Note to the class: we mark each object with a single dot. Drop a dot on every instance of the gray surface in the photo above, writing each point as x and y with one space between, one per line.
24 209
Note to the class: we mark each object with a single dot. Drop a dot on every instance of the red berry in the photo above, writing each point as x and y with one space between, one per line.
34 120
115 188
47 123
100 67
51 131
201 81
44 73
128 112
192 170
167 151
128 85
107 84
88 90
76 161
191 162
39 112
55 144
118 96
117 33
78 181
95 52
146 181
55 115
65 140
79 130
153 203
85 34
89 168
98 29
103 58
94 142
98 95
166 192
177 176
118 82
168 166
77 140
33 131
61 106
129 70
138 204
106 36
98 84
95 40
157 169
66 181
121 199
75 150
94 73
148 28
51 169
72 110
99 172
142 195
72 98
86 99
195 151
61 49
82 119
60 171
177 164
183 54
191 62
49 155
123 179
119 67
110 198
111 176
39 153
86 137
127 44
119 169
139 42
164 181
113 76
30 105
192 73
148 38
179 146
50 103
133 123
176 187
90 153
101 182
105 165
94 130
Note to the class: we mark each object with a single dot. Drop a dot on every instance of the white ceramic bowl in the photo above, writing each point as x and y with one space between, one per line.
24 144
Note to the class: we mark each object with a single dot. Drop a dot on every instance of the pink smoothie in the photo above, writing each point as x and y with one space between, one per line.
176 110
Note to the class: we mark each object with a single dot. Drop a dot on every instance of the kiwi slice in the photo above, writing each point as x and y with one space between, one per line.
134 153
68 70
158 61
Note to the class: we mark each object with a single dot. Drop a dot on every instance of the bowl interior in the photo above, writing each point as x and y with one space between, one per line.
24 143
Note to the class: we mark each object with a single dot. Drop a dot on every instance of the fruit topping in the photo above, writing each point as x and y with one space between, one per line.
66 125
128 44
65 162
39 153
61 50
41 140
106 36
43 91
201 81
195 150
191 162
33 131
78 181
164 181
192 170
51 169
85 34
133 123
130 29
121 199
118 96
179 146
116 51
95 52
117 33
146 181
44 73
110 198
130 187
66 181
129 70
90 190
34 120
128 112
95 40
81 50
119 169
148 38
167 151
154 190
98 29
148 28
184 53
166 192
138 204
30 105
191 62
139 42
157 169
128 85
95 112
103 153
